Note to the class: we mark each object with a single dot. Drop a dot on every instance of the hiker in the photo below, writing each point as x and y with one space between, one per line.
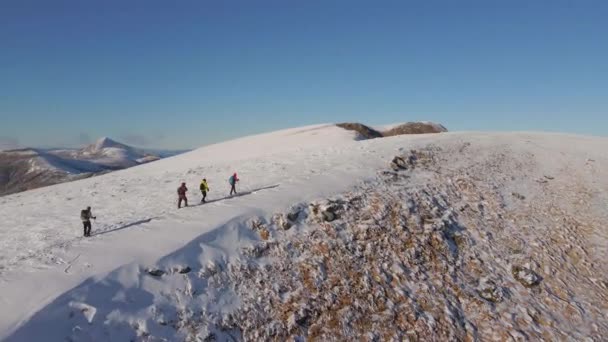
204 189
86 216
181 193
232 180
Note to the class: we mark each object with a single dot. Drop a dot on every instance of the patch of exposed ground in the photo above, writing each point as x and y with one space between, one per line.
365 132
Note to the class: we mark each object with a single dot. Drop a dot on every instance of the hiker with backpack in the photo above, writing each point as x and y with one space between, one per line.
204 189
86 216
181 194
232 180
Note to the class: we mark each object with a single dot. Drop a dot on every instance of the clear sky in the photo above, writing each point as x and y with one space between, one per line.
181 74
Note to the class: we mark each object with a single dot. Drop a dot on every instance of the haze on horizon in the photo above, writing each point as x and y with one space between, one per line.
182 75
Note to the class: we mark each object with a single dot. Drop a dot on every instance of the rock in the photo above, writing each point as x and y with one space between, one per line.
415 128
490 292
328 210
525 276
259 249
210 337
282 222
155 272
184 270
518 196
398 163
411 159
328 216
293 216
256 223
363 132
264 234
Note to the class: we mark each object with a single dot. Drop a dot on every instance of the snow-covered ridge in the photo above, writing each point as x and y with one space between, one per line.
445 237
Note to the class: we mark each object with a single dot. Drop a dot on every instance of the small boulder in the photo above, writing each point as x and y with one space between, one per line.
328 216
264 234
490 292
184 270
518 196
293 215
525 276
328 210
155 272
256 223
398 163
282 222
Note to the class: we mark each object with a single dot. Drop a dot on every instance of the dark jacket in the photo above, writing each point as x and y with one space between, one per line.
86 215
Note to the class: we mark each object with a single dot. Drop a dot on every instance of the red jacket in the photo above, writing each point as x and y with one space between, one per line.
182 190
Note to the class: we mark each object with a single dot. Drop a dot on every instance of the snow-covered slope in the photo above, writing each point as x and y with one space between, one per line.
472 212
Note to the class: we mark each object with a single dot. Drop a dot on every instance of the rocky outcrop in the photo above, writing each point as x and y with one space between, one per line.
415 128
525 276
365 132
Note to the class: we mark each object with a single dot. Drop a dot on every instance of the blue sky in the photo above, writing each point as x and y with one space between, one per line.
181 74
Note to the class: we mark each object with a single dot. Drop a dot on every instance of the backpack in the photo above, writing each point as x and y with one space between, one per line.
231 180
84 215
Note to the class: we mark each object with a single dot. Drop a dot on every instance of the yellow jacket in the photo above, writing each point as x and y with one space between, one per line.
204 186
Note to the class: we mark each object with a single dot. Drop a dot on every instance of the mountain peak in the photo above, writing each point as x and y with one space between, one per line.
106 142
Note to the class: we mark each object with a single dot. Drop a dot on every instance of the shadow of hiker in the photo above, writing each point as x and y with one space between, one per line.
239 194
136 223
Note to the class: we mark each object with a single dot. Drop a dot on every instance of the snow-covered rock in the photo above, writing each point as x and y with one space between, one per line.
525 276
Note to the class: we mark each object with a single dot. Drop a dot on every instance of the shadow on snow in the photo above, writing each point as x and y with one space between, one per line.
129 225
238 194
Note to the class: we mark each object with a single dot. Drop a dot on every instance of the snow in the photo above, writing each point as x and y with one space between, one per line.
103 283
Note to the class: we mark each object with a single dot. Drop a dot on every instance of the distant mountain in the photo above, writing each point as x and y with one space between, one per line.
30 168
110 154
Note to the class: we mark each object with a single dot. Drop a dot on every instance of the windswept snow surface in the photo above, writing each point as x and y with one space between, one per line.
210 268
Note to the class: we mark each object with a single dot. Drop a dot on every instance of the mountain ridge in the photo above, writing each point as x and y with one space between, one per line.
30 168
488 225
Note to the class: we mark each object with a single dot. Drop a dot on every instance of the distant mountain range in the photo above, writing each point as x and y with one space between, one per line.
30 168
